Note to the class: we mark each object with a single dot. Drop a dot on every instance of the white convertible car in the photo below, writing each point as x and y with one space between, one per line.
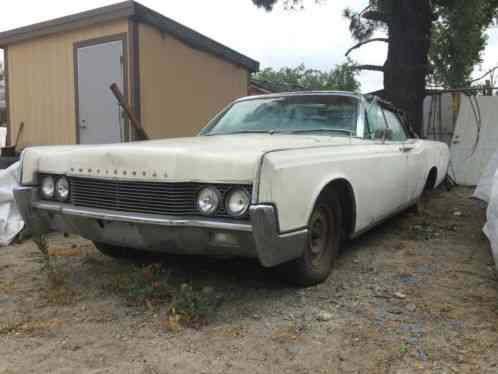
281 178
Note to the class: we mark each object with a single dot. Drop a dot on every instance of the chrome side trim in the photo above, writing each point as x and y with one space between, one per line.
272 247
151 219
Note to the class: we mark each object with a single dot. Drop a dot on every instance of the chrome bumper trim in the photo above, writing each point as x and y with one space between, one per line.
262 232
274 248
150 219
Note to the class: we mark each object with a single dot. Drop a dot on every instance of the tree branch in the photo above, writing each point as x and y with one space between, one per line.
369 67
385 40
485 75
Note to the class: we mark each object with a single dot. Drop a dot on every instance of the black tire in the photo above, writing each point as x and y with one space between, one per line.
322 245
119 252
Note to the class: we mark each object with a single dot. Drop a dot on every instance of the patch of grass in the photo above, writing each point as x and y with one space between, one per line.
57 290
41 243
7 287
142 285
403 349
191 306
149 286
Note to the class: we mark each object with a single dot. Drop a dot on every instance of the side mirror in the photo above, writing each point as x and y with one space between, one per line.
384 134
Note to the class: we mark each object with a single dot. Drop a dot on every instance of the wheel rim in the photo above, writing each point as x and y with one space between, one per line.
320 234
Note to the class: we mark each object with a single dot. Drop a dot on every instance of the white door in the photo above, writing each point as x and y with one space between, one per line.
389 186
99 115
417 168
412 150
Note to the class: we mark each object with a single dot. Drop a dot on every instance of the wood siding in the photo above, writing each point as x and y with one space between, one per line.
41 85
182 88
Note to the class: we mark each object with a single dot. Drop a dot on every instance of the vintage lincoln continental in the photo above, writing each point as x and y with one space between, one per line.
281 178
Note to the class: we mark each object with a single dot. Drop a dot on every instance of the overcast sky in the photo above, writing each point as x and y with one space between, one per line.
317 36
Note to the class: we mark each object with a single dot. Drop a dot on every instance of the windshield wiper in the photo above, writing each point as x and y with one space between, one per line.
302 131
242 132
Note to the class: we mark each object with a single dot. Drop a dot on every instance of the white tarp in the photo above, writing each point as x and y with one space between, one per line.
11 222
485 186
487 190
475 139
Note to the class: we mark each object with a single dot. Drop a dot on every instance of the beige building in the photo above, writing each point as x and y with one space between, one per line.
58 75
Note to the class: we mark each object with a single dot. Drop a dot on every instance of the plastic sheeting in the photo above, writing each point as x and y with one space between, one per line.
485 186
475 139
11 222
487 190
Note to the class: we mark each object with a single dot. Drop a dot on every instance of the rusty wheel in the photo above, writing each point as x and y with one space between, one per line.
322 245
321 233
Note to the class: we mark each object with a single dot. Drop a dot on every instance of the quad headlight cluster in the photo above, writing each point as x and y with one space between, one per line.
236 202
55 188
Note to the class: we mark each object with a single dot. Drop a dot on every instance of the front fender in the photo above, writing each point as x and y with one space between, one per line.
294 189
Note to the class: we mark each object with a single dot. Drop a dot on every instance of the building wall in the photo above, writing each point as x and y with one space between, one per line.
41 85
182 88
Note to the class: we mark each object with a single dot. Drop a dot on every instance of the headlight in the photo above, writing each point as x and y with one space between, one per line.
237 203
48 187
62 189
208 201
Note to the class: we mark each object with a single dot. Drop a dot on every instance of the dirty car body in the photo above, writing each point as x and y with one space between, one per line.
246 186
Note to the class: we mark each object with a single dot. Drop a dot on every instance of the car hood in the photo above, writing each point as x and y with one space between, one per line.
222 159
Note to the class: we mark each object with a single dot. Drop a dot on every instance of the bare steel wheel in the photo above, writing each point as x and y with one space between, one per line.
322 244
320 235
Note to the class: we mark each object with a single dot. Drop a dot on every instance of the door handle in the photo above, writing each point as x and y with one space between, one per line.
83 124
406 149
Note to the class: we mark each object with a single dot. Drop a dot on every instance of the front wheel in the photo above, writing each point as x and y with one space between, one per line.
322 245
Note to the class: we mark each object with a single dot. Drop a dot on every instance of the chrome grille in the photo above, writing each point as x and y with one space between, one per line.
161 198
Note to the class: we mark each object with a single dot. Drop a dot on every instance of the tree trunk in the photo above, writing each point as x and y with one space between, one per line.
407 63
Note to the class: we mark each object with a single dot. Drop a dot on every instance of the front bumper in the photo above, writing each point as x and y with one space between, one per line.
258 238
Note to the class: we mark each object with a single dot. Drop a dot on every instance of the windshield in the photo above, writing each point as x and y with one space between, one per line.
289 114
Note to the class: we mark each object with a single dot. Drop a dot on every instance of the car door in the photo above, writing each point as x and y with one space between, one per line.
412 149
388 165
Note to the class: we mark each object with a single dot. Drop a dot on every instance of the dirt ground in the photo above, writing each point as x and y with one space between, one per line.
419 294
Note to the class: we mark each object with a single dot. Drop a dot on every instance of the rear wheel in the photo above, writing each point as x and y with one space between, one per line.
322 244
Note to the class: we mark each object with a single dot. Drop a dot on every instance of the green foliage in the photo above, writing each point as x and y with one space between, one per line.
41 243
142 285
192 305
458 39
342 78
458 34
